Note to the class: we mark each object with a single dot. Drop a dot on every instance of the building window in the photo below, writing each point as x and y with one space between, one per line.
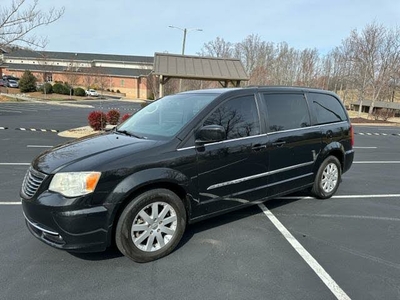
49 77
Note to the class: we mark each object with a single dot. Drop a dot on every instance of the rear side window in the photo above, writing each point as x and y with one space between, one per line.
238 116
327 108
286 111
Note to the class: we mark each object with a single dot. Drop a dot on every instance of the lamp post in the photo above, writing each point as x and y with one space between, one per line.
185 31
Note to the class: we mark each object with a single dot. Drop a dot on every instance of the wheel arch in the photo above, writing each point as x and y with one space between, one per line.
333 149
141 182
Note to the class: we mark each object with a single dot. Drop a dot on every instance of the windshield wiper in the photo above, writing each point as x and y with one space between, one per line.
130 134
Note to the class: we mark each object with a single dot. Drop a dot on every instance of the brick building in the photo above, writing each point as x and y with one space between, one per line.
125 73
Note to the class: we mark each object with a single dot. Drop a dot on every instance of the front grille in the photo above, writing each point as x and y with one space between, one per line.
32 181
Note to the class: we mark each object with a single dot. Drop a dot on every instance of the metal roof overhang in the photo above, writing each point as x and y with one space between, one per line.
224 70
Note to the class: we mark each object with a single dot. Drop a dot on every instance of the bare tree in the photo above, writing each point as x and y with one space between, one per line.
217 48
153 83
308 68
88 77
19 20
374 56
100 78
73 75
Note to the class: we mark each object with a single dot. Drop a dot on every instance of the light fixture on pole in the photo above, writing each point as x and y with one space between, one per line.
185 31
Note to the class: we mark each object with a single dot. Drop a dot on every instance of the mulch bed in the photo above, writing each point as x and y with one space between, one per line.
362 120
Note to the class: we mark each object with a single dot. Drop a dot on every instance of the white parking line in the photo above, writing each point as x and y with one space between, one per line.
365 147
317 268
293 198
343 197
15 164
13 111
360 217
378 162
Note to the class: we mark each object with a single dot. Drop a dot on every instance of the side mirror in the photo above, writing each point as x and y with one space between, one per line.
210 134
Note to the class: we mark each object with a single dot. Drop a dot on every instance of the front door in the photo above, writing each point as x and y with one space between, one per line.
232 172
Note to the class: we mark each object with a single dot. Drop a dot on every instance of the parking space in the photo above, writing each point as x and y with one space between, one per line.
354 237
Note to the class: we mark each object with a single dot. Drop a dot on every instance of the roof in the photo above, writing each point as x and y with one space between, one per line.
196 67
122 72
70 56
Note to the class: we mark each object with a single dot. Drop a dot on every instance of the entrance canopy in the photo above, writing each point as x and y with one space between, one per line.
224 70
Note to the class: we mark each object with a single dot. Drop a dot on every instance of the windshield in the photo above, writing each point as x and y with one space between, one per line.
165 117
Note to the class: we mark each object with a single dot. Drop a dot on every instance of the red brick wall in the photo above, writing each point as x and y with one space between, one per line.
132 87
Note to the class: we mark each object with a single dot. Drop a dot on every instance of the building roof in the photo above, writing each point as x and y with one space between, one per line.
122 72
73 56
196 67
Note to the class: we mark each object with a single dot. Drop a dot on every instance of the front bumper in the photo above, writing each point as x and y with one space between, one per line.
69 228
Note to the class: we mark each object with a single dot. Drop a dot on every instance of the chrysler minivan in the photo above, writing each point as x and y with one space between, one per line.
185 158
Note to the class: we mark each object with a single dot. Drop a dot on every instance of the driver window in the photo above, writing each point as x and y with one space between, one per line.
238 116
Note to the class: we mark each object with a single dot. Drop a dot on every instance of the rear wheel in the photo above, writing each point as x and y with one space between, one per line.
328 178
151 225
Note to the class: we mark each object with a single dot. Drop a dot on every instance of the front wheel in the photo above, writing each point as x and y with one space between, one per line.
151 225
328 178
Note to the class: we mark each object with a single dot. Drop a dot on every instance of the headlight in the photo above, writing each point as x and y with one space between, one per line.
73 184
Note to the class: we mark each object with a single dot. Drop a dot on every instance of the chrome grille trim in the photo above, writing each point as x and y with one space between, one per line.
32 181
40 228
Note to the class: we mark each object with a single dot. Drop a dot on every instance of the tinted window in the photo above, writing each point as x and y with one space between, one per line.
327 108
238 116
286 111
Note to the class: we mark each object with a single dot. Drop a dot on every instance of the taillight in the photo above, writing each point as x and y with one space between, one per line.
352 136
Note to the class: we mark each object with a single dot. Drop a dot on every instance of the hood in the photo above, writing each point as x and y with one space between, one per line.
97 147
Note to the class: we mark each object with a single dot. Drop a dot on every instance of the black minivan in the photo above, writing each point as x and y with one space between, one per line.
182 159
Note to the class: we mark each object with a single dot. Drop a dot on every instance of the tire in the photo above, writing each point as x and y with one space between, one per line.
151 225
328 178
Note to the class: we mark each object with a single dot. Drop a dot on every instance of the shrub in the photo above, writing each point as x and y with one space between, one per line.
113 117
27 83
46 88
79 92
58 88
383 113
118 91
62 89
112 91
125 117
97 120
108 90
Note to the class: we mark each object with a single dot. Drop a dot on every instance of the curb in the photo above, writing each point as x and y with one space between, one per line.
377 134
38 130
376 124
81 132
68 104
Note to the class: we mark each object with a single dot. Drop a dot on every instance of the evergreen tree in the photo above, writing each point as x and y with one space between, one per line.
27 83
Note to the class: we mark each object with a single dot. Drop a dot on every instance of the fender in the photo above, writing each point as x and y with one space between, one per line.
134 182
141 178
334 147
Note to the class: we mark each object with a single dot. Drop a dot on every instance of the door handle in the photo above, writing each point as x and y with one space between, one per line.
259 147
279 144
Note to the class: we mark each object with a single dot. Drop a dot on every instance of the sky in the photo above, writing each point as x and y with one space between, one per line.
132 27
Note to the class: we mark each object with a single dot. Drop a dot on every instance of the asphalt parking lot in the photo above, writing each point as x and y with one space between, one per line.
293 248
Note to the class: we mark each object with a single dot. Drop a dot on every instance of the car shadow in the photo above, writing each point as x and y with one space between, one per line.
111 252
235 216
193 229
